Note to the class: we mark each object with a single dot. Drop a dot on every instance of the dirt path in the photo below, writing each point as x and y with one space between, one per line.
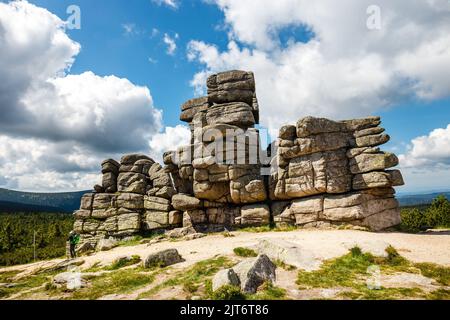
325 244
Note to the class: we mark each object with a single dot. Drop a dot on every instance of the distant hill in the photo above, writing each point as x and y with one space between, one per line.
44 202
13 207
420 199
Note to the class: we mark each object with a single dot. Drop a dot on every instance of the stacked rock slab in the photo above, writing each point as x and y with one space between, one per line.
137 200
328 172
323 173
221 167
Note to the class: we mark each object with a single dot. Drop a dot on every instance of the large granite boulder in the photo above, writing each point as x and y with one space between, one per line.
254 272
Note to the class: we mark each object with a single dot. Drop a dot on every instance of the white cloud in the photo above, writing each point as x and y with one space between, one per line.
431 151
55 128
426 163
171 44
170 139
345 70
130 29
170 3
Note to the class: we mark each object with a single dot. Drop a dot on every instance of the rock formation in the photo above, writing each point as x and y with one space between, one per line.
319 173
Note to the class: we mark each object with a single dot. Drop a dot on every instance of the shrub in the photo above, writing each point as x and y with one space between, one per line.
356 251
438 214
228 292
244 252
412 220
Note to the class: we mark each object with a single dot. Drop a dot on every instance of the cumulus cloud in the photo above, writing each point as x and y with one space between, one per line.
56 127
170 3
426 163
431 151
346 69
171 44
170 139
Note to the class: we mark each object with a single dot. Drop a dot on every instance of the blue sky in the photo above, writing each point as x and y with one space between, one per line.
108 49
309 59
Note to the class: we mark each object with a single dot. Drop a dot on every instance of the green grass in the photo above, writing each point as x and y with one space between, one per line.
227 292
440 294
132 242
245 252
436 272
25 284
284 266
6 276
363 293
268 292
122 263
118 282
351 271
194 277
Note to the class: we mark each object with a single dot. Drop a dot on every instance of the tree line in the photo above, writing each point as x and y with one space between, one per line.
21 233
418 218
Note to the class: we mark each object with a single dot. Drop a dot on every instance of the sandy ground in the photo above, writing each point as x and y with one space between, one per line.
433 248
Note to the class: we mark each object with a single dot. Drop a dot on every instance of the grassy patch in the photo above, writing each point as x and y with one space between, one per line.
118 282
227 292
436 272
284 266
194 277
122 263
6 276
131 242
363 293
268 292
95 267
352 270
440 294
25 284
245 252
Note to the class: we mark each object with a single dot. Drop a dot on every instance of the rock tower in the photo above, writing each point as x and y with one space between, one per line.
319 173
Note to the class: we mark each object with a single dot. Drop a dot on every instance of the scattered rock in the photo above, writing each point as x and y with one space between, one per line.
106 244
289 253
84 248
180 232
71 280
194 236
225 277
163 259
254 272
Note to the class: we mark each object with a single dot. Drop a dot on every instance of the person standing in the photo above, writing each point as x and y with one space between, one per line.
74 239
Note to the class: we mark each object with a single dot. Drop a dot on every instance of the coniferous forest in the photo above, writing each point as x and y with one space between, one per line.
20 231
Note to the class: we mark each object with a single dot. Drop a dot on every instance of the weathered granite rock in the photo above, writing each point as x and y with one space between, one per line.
254 272
236 113
184 202
225 277
106 244
129 222
231 86
319 173
289 253
223 215
130 201
132 182
257 214
163 259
